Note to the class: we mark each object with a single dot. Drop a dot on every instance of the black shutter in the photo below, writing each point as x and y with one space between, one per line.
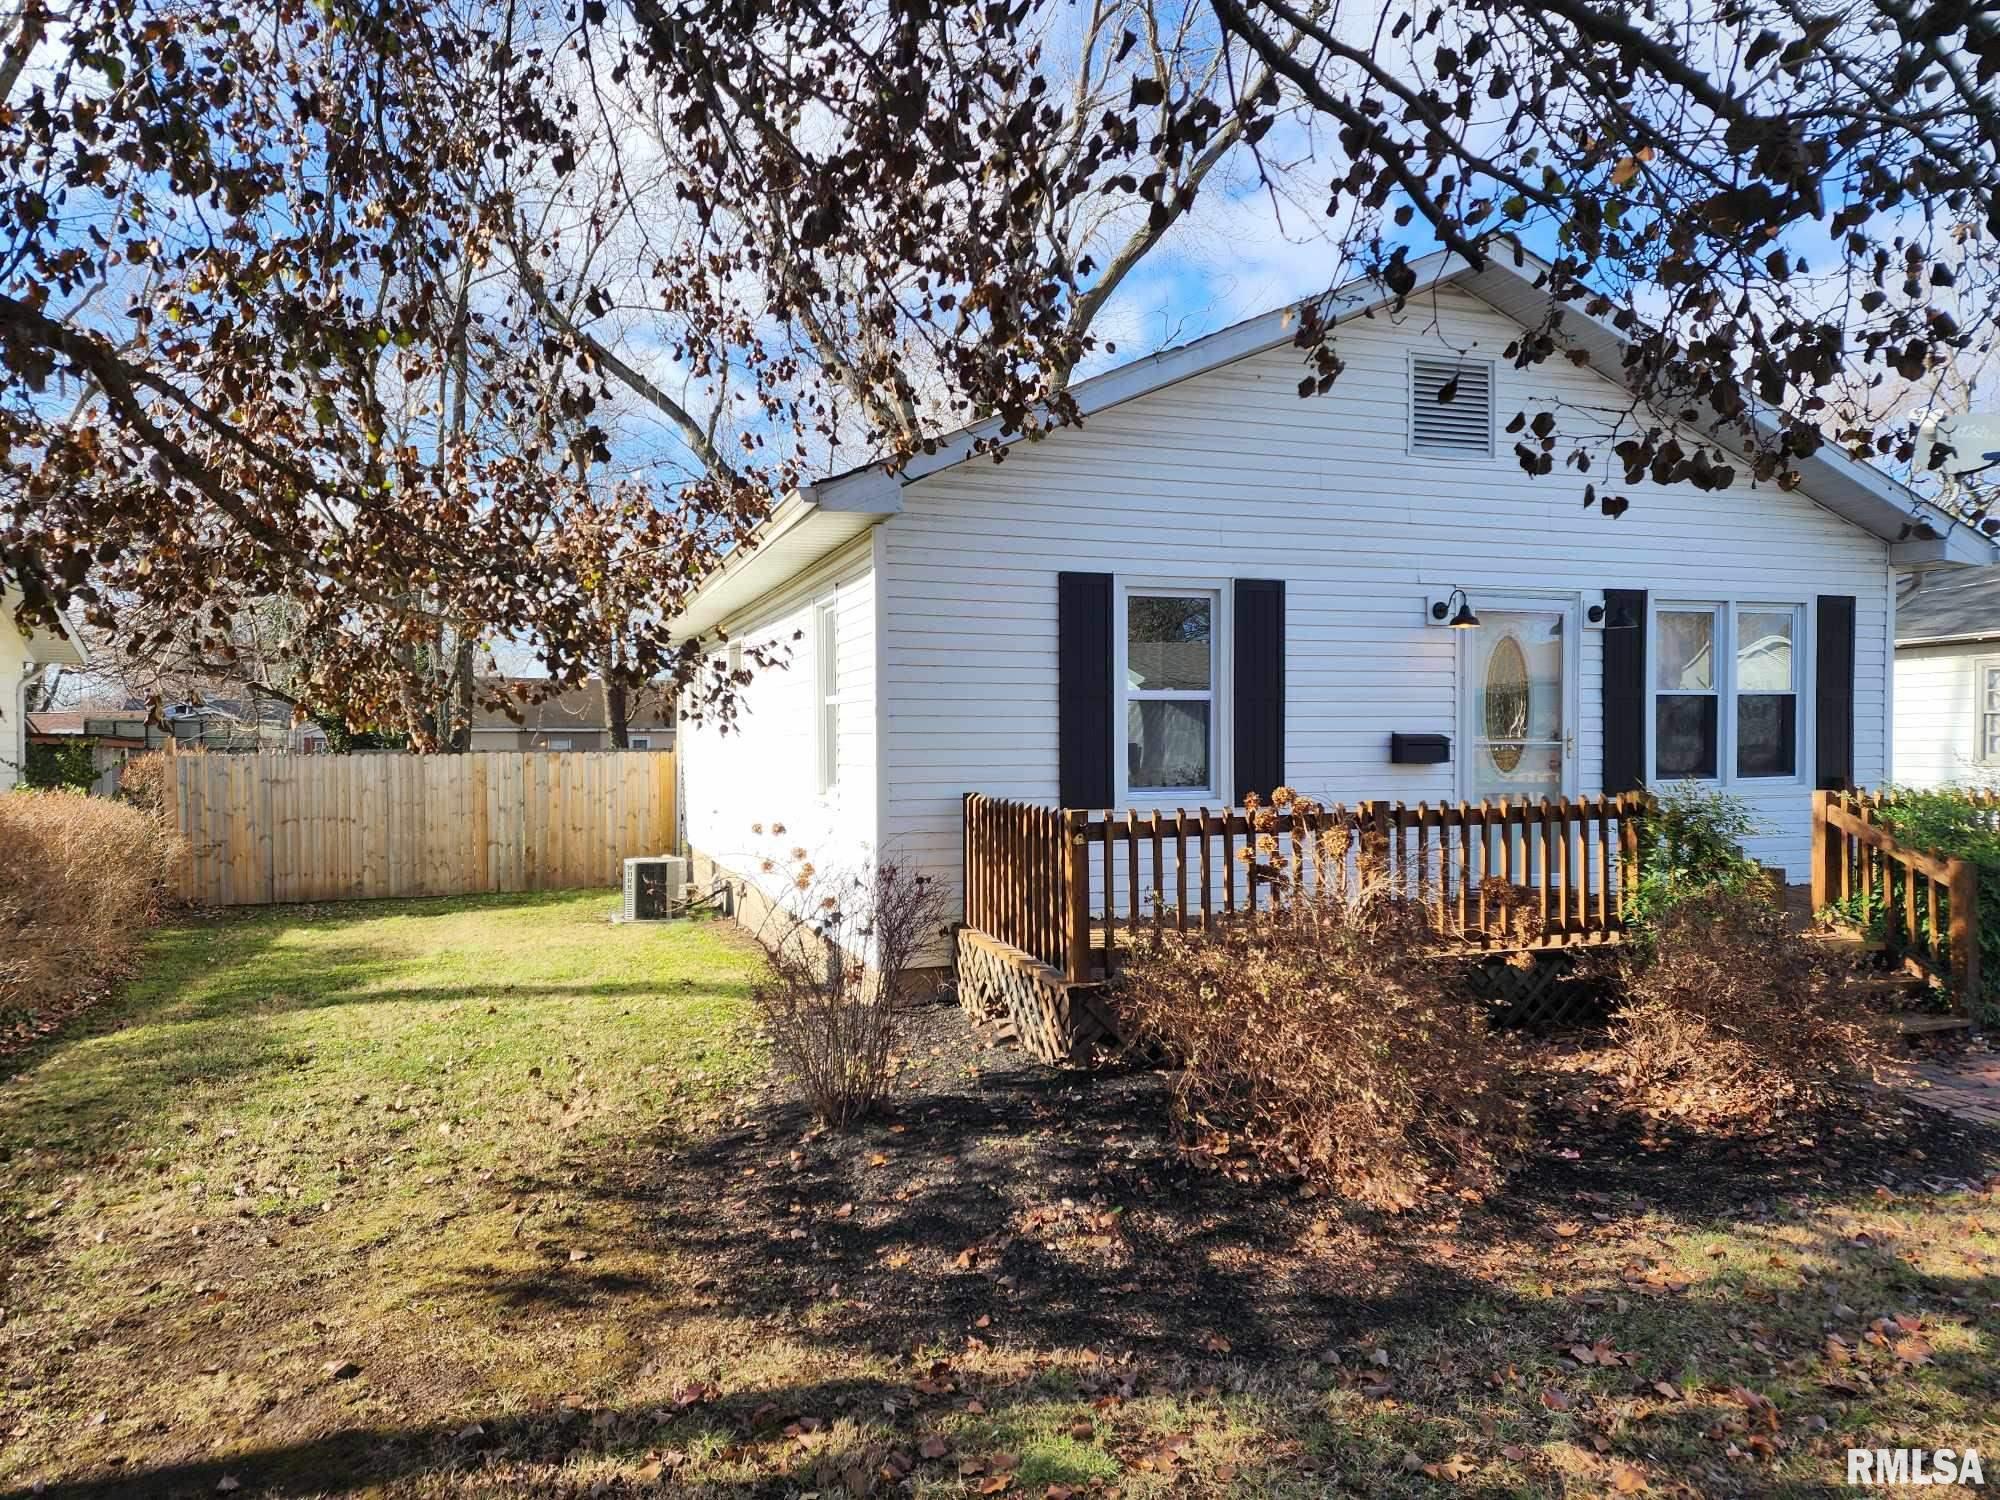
1833 694
1083 689
1260 686
1624 690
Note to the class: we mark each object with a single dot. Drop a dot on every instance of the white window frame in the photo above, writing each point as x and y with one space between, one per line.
1983 753
1450 455
1219 694
1727 612
826 684
565 743
638 742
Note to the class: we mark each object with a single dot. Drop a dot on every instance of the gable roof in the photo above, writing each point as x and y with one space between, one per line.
817 519
1963 605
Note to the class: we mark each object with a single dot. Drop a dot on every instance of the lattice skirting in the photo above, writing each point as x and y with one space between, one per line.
1538 992
1055 1020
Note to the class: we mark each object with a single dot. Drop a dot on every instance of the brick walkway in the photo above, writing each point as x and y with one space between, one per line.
1968 1086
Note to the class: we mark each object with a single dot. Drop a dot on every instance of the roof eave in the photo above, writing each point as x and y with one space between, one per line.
809 524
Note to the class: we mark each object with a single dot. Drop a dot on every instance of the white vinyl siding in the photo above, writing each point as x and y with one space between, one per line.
1942 725
773 767
1231 473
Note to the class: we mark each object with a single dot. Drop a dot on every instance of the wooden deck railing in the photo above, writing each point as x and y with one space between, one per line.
1928 902
1074 887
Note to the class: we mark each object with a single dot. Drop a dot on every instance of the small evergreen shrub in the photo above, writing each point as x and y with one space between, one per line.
1947 821
1690 845
68 766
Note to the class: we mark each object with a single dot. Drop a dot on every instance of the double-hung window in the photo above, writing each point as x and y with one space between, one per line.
1726 690
1986 706
1170 672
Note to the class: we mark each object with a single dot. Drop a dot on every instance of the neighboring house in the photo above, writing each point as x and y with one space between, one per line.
121 729
575 720
1214 586
24 655
1948 681
112 731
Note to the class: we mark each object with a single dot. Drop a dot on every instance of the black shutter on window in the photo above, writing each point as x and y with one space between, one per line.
1259 631
1624 690
1083 689
1833 694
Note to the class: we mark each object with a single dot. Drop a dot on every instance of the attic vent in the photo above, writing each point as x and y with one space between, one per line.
1461 425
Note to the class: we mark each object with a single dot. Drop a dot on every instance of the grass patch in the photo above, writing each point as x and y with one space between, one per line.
369 1132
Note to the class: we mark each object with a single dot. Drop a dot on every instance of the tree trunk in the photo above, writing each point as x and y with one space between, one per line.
617 713
461 716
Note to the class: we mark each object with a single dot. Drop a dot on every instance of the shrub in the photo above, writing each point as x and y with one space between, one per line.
1945 820
1329 1030
70 765
1732 1017
143 779
82 879
840 950
1691 845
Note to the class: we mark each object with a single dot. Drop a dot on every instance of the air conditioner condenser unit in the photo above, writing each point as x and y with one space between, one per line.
654 886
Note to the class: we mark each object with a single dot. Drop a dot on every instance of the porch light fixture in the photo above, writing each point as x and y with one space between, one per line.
1464 619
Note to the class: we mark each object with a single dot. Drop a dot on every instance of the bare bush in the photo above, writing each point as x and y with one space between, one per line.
143 781
1329 1030
840 950
82 879
1733 1018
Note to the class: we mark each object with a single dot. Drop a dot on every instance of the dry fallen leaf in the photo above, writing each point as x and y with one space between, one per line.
1627 1480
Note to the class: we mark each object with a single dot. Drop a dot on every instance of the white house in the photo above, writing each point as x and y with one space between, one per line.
1213 586
23 657
1948 681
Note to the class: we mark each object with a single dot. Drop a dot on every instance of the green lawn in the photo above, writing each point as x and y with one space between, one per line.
373 1133
490 1197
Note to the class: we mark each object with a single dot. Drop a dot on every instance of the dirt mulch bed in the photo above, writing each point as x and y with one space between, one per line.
1000 1199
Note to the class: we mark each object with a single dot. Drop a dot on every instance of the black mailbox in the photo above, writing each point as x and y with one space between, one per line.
1419 749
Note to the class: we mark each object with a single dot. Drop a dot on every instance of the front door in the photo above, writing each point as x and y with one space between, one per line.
1516 704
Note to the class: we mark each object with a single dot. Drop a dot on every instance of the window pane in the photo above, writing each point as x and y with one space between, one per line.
1684 737
1687 650
1767 727
1764 650
1166 743
1167 642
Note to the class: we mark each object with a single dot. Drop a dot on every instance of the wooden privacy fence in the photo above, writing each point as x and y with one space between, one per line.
273 828
1927 902
1071 886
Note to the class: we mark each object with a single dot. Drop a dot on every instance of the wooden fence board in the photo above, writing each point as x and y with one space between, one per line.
266 828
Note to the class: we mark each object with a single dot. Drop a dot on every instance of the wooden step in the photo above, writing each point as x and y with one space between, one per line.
1922 1023
1881 984
1838 940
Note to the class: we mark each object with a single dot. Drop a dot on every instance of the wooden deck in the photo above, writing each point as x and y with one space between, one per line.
1075 888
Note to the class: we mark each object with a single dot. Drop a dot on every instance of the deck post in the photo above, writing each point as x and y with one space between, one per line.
1823 846
1964 887
1076 853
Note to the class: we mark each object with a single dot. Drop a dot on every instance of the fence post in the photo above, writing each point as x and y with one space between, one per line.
1076 851
1964 888
1823 845
965 910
